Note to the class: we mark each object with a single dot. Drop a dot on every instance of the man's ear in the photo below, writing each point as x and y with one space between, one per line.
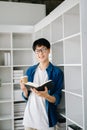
49 50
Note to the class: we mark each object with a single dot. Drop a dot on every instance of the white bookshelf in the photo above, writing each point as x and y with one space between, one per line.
22 59
66 29
17 42
68 36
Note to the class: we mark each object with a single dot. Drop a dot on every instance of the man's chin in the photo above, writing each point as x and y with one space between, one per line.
41 60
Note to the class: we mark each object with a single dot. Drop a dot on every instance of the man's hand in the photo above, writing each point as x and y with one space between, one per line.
44 94
23 88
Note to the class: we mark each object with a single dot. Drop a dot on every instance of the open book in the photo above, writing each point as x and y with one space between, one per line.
49 84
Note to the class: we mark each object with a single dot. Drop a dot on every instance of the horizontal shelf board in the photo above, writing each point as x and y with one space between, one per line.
5 66
21 65
78 124
5 84
5 117
15 83
11 29
72 36
5 49
56 42
22 49
65 38
5 100
73 93
69 65
62 113
60 64
18 100
72 65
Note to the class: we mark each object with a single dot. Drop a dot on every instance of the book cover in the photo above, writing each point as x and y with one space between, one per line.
49 84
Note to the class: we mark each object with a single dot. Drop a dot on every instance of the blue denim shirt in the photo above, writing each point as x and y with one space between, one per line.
56 75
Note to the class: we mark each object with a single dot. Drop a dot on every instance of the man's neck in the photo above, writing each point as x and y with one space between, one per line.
44 65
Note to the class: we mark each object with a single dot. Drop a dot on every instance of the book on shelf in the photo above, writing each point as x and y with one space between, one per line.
16 75
73 127
7 58
18 71
49 84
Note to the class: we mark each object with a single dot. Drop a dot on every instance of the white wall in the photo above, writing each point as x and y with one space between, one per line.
12 13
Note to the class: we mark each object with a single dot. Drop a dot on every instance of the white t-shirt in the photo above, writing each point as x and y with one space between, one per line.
35 115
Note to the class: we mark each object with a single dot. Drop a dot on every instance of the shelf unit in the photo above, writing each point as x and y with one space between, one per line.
66 29
68 34
16 42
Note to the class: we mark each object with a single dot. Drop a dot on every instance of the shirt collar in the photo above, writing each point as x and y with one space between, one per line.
49 68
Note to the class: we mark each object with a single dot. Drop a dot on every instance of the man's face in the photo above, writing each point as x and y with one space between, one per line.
42 53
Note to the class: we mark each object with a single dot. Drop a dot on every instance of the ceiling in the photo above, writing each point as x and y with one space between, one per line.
50 4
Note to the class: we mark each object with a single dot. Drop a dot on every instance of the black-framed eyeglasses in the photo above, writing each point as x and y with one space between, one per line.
43 50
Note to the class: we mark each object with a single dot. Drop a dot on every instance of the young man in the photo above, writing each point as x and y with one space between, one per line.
40 112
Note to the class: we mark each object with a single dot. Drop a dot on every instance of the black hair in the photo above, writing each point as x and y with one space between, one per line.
40 42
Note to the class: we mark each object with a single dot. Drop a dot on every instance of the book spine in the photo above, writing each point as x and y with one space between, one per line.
9 58
5 58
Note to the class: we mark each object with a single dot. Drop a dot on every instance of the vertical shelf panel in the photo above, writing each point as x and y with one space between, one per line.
5 76
22 59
